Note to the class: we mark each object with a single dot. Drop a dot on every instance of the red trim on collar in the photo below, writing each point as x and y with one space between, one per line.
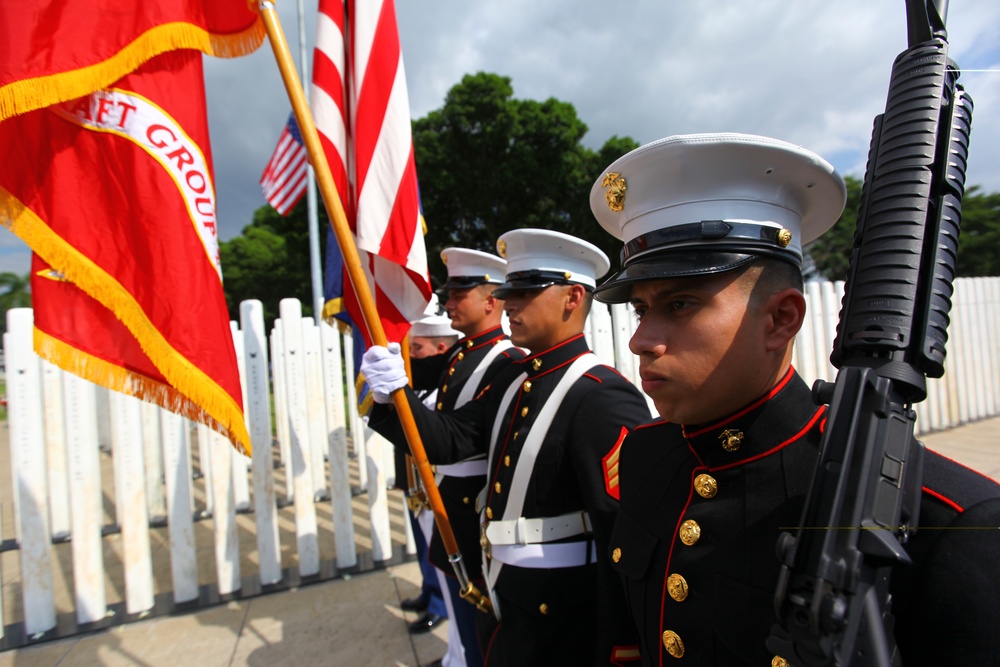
554 347
805 429
750 408
947 501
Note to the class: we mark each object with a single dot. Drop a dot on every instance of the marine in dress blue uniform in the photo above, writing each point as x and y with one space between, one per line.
430 337
707 490
555 419
458 376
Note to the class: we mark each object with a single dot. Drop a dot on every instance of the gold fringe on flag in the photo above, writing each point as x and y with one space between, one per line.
192 393
29 94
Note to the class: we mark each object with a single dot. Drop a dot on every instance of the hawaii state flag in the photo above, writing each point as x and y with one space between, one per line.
111 185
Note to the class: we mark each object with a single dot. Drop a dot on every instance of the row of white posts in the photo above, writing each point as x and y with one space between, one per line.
55 421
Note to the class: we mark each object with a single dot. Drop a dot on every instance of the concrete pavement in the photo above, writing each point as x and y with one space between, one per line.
347 621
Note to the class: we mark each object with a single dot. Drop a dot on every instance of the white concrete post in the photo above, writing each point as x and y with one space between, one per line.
315 406
55 450
357 423
84 464
227 546
281 426
378 501
240 463
340 474
257 408
130 471
175 432
156 503
205 463
27 444
295 386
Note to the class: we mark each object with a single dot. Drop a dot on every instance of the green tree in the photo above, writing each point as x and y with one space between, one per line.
489 163
269 261
979 240
15 292
978 245
831 253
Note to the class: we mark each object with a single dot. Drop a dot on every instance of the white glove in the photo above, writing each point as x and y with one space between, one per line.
384 370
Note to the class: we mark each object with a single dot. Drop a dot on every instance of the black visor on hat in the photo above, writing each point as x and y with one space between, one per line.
674 264
535 279
464 282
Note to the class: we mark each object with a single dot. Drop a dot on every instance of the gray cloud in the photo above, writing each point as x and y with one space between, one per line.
808 71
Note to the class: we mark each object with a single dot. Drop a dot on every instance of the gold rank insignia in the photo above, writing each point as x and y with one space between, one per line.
616 191
444 258
502 248
610 465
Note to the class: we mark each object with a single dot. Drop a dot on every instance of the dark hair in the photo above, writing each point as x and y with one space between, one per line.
774 275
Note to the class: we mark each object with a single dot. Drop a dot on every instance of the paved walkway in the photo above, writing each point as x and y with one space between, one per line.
347 621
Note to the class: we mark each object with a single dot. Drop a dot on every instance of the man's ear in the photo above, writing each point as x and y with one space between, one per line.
575 296
784 312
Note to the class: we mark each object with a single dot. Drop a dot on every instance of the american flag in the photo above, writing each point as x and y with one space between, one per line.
361 106
284 178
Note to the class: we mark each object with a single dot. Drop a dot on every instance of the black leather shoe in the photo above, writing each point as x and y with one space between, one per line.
414 604
425 623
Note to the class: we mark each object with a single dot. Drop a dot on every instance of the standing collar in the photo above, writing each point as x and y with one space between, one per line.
555 357
488 337
774 420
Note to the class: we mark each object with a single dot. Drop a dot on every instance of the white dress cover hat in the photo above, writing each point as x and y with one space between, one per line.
468 268
705 203
538 258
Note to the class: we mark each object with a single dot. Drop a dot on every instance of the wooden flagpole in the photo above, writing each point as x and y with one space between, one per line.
355 272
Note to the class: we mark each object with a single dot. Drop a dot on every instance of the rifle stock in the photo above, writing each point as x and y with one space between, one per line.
832 602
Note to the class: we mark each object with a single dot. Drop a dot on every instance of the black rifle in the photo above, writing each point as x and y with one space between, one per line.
832 601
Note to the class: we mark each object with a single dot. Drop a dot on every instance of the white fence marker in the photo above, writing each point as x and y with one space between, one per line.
84 464
55 450
295 386
336 421
257 407
130 471
315 406
27 442
175 432
227 546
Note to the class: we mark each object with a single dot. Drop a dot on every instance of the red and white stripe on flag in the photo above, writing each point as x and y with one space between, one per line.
362 111
284 178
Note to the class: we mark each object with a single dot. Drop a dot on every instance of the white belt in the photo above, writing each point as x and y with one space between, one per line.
463 469
546 556
534 531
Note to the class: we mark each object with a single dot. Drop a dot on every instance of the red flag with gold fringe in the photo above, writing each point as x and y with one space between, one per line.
114 193
59 50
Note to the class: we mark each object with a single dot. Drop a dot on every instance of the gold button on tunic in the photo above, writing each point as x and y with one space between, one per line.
690 532
706 486
672 642
677 587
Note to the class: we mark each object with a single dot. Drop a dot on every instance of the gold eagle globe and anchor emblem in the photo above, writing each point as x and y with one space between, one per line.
616 191
731 439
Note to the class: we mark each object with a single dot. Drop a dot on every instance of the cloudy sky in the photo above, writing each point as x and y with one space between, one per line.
812 72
